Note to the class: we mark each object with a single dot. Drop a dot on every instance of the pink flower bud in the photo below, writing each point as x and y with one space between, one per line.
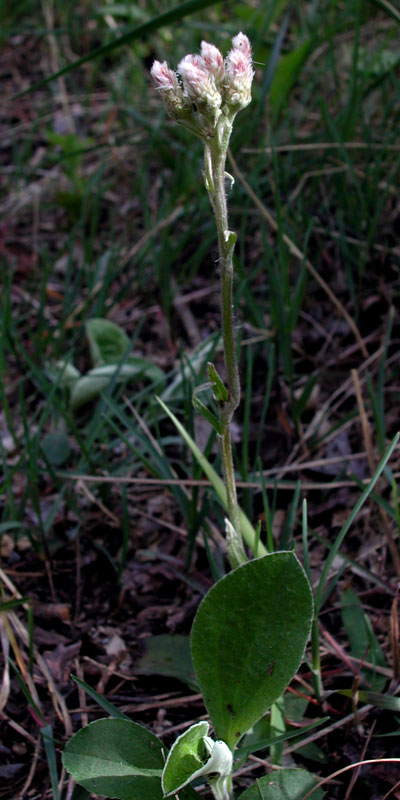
195 60
239 73
241 42
177 105
199 84
213 60
164 77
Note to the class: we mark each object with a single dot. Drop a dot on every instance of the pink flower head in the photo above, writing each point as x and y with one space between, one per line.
241 42
238 65
204 88
199 84
195 78
213 60
195 60
164 77
176 104
239 73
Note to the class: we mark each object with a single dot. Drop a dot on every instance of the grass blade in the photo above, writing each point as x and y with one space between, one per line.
48 741
339 539
98 698
264 743
248 531
190 7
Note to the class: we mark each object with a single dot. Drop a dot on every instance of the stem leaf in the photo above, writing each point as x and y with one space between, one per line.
206 413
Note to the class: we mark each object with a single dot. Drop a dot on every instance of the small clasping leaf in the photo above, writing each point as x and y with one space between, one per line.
192 755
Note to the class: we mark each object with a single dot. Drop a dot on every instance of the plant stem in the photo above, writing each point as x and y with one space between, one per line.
215 157
316 658
222 788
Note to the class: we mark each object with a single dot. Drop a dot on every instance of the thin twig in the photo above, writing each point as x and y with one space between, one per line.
202 482
356 773
312 146
351 766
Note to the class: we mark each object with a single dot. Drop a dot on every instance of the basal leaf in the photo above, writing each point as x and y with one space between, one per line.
108 343
286 784
248 639
89 386
116 758
56 447
168 655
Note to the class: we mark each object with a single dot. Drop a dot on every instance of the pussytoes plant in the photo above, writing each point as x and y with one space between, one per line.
250 630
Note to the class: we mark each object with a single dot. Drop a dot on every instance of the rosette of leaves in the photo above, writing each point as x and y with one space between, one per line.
112 362
247 642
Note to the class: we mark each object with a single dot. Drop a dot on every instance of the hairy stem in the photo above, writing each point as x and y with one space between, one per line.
215 157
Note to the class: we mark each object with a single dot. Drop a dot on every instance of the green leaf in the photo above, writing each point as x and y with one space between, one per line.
262 744
105 704
278 728
363 642
170 656
195 754
96 380
7 605
108 343
63 373
50 750
312 752
335 547
248 639
247 529
220 391
80 793
186 757
205 412
10 526
56 447
286 74
286 784
385 701
116 758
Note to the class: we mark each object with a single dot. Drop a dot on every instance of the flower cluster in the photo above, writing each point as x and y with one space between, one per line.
205 86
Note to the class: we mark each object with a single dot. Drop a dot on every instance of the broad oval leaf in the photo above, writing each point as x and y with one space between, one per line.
108 343
285 784
116 758
56 447
169 655
248 639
